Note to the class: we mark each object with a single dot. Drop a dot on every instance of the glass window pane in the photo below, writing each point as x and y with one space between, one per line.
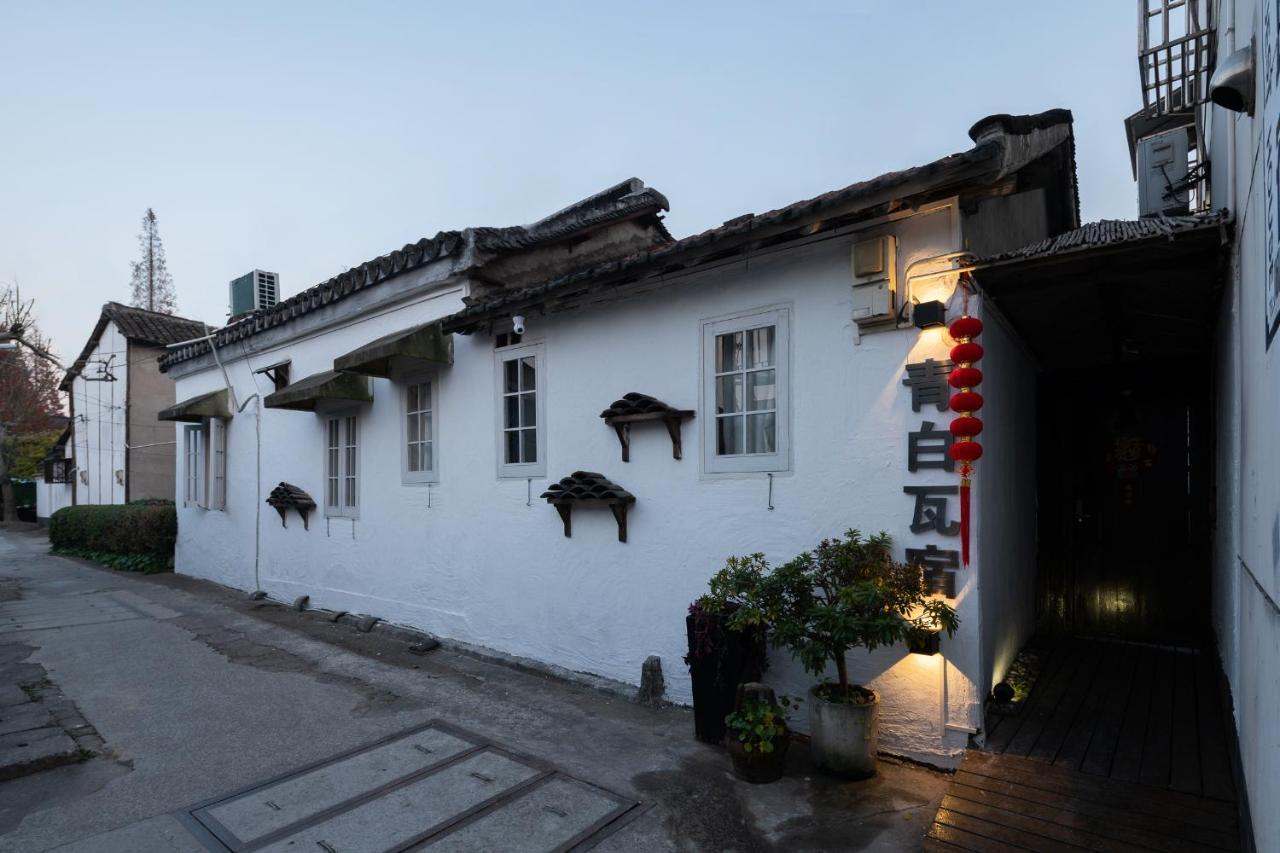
529 409
424 396
762 390
761 435
424 430
513 446
351 462
351 492
411 401
760 345
728 352
512 416
729 436
412 427
511 375
414 464
729 393
530 442
333 462
426 457
333 491
528 375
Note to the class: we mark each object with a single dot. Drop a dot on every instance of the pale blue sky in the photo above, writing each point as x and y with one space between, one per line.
307 137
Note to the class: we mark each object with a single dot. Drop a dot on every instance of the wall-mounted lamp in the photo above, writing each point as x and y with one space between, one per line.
517 324
927 315
1232 83
925 643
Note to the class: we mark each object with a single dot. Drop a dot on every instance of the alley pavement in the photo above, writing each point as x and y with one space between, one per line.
184 717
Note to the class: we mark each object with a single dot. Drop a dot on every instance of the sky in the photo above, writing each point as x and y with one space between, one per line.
306 138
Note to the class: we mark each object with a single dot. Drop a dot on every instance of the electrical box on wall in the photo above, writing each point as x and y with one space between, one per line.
875 284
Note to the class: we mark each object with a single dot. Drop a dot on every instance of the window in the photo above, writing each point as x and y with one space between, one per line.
521 390
419 445
746 382
204 464
341 487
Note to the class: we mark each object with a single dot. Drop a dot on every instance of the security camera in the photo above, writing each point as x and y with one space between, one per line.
1232 83
517 324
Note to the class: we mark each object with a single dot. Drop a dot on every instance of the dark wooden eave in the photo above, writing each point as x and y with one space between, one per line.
305 394
213 405
421 345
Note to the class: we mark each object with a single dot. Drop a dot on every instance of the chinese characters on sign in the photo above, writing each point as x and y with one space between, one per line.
928 449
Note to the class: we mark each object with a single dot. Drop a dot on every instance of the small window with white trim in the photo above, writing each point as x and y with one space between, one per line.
204 464
418 444
746 383
341 468
521 397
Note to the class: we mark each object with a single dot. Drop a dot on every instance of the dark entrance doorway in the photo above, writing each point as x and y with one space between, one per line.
1124 503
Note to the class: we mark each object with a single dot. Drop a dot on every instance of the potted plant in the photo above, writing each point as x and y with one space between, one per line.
758 735
847 593
720 656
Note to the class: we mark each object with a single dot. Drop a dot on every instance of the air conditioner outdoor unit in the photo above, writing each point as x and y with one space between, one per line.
875 282
1162 173
254 290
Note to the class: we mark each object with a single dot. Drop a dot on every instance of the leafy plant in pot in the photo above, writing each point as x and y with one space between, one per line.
845 594
758 735
722 656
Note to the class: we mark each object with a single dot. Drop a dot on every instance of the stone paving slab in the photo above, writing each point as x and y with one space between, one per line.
12 694
163 833
38 749
21 718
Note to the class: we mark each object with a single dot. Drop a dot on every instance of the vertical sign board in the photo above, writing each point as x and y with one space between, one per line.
1270 116
928 449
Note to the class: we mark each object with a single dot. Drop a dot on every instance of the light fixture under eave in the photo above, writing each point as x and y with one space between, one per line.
1232 84
927 315
925 643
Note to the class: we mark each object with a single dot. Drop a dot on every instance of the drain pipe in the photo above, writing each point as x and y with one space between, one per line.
256 398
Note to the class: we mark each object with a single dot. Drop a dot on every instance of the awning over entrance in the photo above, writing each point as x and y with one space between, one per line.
304 394
425 344
215 405
1113 291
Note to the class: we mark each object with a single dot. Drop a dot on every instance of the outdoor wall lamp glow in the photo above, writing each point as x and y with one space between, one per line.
928 315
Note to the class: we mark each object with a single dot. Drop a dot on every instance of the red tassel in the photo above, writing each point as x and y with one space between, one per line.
964 520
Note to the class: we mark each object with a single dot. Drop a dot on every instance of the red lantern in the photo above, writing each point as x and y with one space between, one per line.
965 426
966 327
966 401
966 451
965 377
967 353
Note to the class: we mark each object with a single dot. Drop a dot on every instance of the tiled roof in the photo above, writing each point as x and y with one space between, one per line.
636 403
988 159
1111 232
587 486
139 325
626 200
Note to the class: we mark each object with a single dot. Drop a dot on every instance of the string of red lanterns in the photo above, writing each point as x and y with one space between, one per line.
966 426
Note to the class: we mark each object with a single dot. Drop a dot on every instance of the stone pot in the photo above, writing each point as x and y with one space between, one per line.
758 767
844 738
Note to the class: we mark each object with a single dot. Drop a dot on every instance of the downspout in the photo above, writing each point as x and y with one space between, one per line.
257 504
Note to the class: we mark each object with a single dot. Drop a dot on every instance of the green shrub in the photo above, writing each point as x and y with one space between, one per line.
137 536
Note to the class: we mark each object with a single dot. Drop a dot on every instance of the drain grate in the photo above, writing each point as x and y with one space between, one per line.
433 788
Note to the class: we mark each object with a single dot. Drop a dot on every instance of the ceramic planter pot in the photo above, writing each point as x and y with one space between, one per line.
719 660
758 767
844 738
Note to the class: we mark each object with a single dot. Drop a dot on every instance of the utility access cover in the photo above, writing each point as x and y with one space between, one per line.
433 788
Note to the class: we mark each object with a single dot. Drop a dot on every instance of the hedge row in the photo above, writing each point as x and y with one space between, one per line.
144 529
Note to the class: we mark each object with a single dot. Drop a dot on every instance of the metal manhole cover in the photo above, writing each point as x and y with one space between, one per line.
433 788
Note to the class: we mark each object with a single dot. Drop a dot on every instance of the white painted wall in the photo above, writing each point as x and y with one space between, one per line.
51 497
484 560
98 427
1246 583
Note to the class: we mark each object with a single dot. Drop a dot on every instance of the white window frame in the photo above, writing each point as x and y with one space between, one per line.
522 470
778 316
347 420
193 439
432 473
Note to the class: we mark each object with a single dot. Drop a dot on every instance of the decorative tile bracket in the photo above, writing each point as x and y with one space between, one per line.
287 496
589 488
640 408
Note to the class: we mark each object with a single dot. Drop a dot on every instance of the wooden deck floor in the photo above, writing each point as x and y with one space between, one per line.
1119 747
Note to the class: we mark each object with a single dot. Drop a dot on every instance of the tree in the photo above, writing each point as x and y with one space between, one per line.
152 285
28 388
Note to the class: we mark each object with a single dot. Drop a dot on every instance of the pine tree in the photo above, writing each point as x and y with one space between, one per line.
151 283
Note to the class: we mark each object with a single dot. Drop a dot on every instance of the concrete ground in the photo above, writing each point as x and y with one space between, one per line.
198 694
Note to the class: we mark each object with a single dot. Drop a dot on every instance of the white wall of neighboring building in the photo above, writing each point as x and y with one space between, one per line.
51 497
98 425
483 560
1245 156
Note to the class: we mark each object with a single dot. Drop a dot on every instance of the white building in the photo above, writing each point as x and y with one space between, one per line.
400 397
117 449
